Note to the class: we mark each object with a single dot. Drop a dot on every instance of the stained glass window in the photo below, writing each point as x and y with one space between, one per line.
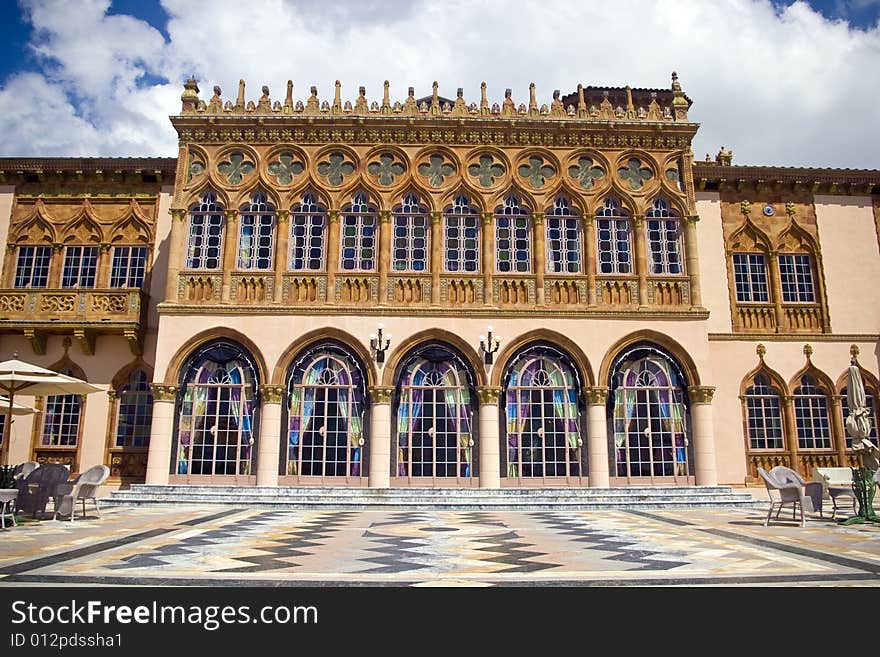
410 242
256 234
664 238
563 238
612 232
358 235
205 234
764 414
308 221
325 415
544 437
216 432
134 411
513 237
461 236
434 418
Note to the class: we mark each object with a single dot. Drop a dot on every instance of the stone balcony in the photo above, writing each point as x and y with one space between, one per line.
84 314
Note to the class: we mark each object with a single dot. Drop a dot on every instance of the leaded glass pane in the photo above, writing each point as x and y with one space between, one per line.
796 274
613 235
461 236
664 239
563 238
205 234
513 250
256 234
358 236
307 225
410 238
129 266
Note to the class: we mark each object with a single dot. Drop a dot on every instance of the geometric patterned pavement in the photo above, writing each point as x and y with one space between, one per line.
231 546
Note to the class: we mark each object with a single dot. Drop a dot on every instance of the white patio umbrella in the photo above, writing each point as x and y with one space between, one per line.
858 423
18 377
17 409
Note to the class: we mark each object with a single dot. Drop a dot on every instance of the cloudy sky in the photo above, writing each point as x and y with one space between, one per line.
779 83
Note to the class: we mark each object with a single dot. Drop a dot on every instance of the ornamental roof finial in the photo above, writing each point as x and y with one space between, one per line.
288 99
337 99
239 100
189 99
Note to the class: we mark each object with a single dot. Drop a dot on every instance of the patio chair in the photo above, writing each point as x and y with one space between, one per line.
38 487
84 487
785 486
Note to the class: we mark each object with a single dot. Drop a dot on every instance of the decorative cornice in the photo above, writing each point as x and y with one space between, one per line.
381 394
163 392
794 337
596 396
488 395
701 394
271 394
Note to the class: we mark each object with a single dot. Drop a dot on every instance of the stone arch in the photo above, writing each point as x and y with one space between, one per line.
748 236
132 226
425 197
563 187
66 362
672 347
279 373
561 342
243 199
36 228
821 378
775 378
675 203
526 198
180 357
869 379
404 350
194 197
474 196
121 377
83 227
794 237
627 202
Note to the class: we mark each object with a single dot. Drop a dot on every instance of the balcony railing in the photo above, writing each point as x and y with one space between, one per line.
85 313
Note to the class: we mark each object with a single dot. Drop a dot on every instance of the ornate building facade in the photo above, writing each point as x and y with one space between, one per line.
437 293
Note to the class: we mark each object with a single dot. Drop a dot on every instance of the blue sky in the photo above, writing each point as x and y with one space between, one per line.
780 83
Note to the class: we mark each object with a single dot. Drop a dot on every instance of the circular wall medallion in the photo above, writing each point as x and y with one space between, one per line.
768 210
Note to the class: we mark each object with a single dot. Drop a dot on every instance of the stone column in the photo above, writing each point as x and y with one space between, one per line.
488 256
176 253
436 255
591 258
230 246
269 449
776 294
9 264
490 445
380 436
790 431
838 434
282 244
385 229
331 255
159 456
703 435
641 260
540 256
102 277
692 259
597 436
56 266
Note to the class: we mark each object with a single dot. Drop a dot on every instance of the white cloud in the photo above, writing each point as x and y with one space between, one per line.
778 86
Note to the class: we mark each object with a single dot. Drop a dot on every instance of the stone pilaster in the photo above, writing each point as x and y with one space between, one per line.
692 260
487 248
703 435
230 247
597 436
269 449
176 255
490 445
436 255
282 246
380 436
159 456
540 256
641 259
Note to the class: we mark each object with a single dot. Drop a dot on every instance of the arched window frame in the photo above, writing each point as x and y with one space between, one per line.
411 246
663 229
256 234
134 408
62 418
308 225
562 225
763 406
613 239
812 414
358 232
206 229
461 236
513 237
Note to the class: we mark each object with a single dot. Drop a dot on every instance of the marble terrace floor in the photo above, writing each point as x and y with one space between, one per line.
231 546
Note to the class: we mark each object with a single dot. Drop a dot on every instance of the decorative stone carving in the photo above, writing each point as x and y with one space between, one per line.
701 394
635 173
236 167
488 395
596 396
586 172
271 394
536 173
285 168
486 171
436 170
380 394
163 392
386 169
335 168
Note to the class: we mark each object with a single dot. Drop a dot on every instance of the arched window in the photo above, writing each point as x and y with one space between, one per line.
871 403
134 411
308 222
811 415
664 239
461 236
513 238
61 418
205 234
650 416
410 235
796 278
325 415
563 228
216 431
764 414
543 420
613 236
434 416
358 235
256 234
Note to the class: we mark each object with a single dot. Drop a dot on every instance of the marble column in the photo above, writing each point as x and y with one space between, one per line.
282 246
591 258
331 255
230 247
176 253
380 436
161 429
703 435
102 278
641 259
597 436
386 228
540 255
490 445
487 251
776 294
269 449
436 257
692 259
